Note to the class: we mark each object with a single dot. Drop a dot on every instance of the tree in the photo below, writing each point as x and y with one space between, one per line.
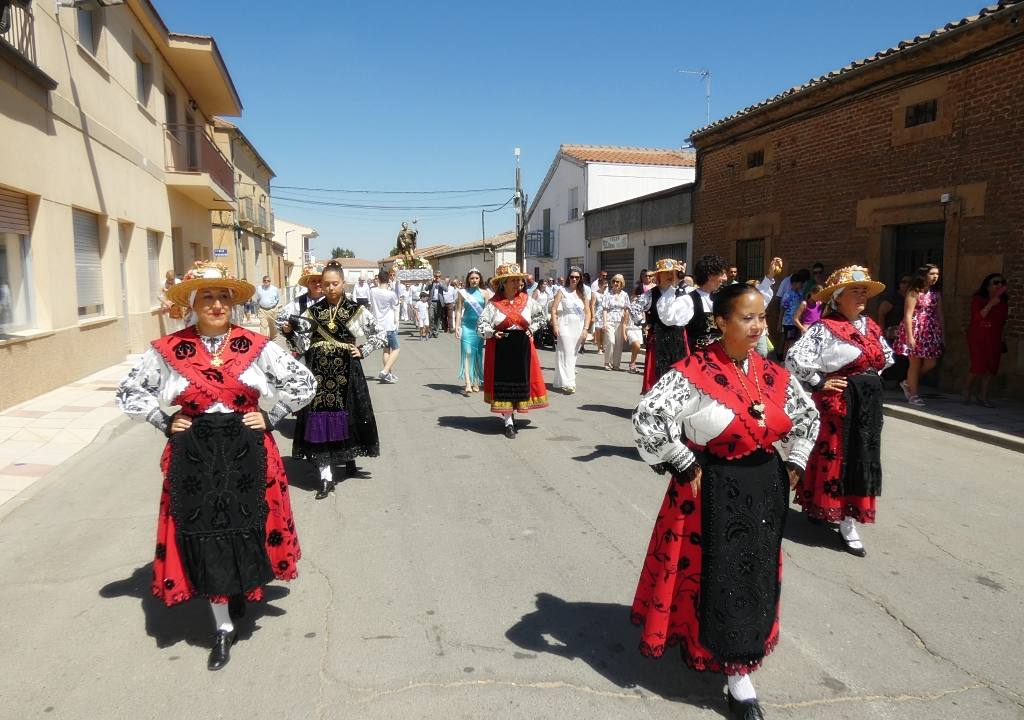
395 251
340 252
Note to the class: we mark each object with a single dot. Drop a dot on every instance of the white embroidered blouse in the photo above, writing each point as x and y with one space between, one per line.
534 313
818 352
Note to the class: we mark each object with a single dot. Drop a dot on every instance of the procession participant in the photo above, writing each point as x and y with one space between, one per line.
384 304
224 542
710 273
310 279
840 357
361 291
339 425
919 338
599 289
570 317
513 381
711 579
615 322
469 306
665 342
435 293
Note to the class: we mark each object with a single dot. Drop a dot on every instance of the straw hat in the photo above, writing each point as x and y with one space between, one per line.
669 265
208 274
310 272
507 271
853 275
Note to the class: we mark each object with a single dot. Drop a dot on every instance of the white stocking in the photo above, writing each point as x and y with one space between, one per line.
848 529
741 687
510 420
221 617
325 474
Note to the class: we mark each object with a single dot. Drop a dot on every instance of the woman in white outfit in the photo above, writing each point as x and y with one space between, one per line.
597 298
616 318
570 315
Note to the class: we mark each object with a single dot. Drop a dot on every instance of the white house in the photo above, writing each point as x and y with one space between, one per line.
484 255
586 177
296 240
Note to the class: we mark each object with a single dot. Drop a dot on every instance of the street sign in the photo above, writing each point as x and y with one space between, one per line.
220 252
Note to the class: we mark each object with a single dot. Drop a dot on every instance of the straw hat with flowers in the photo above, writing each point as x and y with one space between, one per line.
310 272
207 274
851 276
507 271
669 265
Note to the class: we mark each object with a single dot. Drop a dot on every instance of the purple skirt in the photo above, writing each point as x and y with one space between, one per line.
324 427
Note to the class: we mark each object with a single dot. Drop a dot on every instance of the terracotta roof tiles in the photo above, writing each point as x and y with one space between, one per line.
629 155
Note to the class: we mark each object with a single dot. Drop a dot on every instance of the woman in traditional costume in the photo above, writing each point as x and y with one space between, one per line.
225 525
841 358
513 381
298 342
469 305
339 424
712 577
666 343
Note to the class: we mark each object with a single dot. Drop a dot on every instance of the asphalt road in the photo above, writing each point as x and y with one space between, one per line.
464 575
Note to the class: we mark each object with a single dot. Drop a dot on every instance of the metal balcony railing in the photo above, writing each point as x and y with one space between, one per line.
187 148
542 244
17 24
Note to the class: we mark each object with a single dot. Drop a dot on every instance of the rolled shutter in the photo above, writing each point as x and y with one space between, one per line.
88 271
13 212
618 262
153 251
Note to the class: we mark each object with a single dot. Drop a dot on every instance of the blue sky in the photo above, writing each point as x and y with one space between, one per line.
434 95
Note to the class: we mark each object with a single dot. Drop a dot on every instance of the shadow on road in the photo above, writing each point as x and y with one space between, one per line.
625 413
302 475
446 387
801 531
191 622
601 635
486 425
601 451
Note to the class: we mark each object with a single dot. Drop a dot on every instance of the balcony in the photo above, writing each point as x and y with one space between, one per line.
197 168
260 225
270 228
541 244
18 42
245 215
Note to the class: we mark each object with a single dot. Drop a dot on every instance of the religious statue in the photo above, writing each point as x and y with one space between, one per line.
407 244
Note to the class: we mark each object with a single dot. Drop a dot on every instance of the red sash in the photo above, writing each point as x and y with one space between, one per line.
872 357
207 385
714 373
513 312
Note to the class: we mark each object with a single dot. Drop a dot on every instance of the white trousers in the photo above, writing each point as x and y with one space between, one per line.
613 346
570 328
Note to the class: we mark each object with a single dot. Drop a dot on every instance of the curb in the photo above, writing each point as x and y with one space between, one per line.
992 437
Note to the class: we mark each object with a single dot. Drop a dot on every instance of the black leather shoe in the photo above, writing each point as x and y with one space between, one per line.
325 489
236 606
510 431
350 468
221 652
859 552
745 709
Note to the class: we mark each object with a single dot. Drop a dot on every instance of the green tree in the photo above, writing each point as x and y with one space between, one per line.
340 252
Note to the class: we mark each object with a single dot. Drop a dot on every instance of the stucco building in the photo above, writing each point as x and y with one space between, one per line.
108 177
911 155
296 239
582 178
484 255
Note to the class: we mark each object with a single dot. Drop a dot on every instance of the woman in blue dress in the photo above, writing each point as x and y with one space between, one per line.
468 306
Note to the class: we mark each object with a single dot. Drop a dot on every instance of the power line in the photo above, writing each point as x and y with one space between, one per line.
360 206
393 192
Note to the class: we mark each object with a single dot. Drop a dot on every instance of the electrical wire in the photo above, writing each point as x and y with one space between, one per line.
361 206
393 192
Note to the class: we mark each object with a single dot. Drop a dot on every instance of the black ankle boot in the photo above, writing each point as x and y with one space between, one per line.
350 468
221 652
325 489
745 709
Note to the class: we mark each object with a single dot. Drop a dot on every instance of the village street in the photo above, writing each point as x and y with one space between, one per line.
465 575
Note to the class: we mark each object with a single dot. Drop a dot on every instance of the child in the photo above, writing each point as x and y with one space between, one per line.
809 311
423 315
790 302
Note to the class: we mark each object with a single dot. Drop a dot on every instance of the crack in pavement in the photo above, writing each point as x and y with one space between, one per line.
959 559
321 708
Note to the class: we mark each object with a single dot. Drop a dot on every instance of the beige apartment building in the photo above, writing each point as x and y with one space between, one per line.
108 177
243 238
297 240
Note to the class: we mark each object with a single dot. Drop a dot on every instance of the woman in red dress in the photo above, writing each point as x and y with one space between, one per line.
841 357
713 573
989 310
513 381
225 524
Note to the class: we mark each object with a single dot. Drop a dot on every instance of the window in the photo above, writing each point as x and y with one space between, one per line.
676 251
143 79
15 281
88 26
153 253
574 203
755 159
88 268
921 113
171 108
750 259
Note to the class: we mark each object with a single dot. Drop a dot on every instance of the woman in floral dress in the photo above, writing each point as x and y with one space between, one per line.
920 335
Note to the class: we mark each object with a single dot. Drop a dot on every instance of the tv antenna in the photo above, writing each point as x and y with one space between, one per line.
705 75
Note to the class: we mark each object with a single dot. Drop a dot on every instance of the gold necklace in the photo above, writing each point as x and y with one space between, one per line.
215 360
756 409
332 313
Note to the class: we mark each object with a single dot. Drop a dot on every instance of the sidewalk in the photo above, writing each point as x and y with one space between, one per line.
1002 425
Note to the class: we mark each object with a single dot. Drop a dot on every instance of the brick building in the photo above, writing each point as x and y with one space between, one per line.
913 155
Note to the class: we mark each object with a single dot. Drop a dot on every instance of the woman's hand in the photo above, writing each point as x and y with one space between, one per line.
180 423
498 335
254 421
287 328
458 332
835 385
911 342
694 473
356 353
796 474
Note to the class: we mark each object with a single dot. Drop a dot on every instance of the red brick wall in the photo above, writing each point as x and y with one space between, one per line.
824 165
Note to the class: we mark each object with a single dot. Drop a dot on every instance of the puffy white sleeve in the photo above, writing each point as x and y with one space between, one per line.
805 359
676 309
375 337
639 307
657 423
488 320
765 288
796 445
537 314
889 360
138 395
291 383
291 308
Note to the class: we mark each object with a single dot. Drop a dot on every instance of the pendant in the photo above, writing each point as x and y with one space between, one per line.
216 362
756 411
332 326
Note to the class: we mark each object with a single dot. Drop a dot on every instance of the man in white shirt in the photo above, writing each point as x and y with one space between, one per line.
384 304
597 283
361 292
449 305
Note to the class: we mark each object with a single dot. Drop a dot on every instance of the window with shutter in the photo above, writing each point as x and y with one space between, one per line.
153 251
88 267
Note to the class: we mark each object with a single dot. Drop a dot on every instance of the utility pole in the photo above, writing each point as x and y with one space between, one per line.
520 206
705 75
